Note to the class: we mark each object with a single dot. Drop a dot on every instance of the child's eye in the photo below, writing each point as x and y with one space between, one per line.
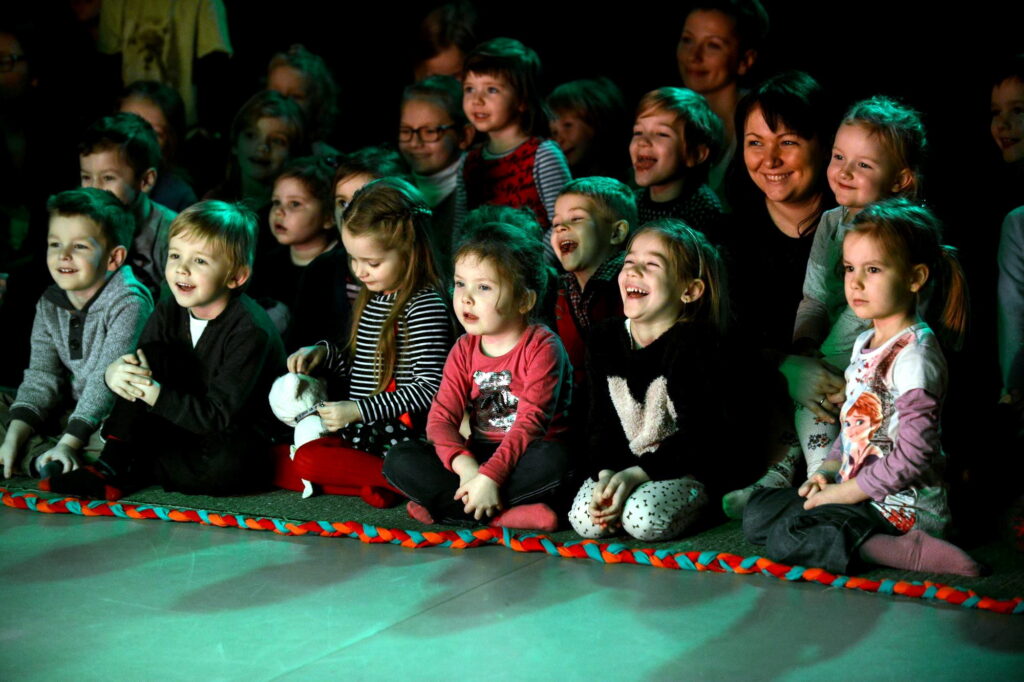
847 268
109 178
201 261
837 156
493 90
468 90
865 166
53 245
484 287
459 284
637 132
874 270
172 256
278 142
715 45
82 247
295 204
373 264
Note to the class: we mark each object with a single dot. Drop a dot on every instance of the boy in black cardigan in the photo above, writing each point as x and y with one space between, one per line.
193 414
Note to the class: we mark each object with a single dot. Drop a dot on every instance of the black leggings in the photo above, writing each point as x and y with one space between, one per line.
414 468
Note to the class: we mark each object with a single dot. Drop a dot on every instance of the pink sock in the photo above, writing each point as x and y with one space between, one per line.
918 551
527 517
418 512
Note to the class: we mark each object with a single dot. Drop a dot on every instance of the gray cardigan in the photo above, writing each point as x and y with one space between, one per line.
74 347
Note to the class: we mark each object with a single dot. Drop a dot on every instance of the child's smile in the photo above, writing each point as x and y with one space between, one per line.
581 240
657 149
861 170
200 276
1008 119
490 104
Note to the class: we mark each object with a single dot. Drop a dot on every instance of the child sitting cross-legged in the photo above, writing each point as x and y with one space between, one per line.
191 412
511 380
92 314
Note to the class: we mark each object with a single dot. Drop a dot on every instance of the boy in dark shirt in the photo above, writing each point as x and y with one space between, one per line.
193 413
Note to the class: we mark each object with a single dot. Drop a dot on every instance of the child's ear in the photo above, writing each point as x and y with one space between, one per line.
466 138
116 258
529 300
241 276
148 180
693 291
746 62
620 230
699 157
918 277
904 179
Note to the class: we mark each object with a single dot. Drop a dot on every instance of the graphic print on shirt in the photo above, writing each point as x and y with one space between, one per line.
495 407
866 423
648 423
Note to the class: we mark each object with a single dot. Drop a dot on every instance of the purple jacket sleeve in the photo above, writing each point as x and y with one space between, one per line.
916 445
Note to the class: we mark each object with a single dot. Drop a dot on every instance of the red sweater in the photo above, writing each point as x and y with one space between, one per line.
514 399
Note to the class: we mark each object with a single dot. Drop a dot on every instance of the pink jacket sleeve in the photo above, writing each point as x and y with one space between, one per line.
450 403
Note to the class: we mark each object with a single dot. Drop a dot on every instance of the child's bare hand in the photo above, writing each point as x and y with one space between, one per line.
305 360
8 456
481 497
338 415
611 492
812 486
126 375
67 457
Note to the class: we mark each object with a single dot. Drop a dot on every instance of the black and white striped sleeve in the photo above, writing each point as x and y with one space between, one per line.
423 347
550 174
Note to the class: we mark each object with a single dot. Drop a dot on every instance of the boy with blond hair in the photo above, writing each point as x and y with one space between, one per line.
192 413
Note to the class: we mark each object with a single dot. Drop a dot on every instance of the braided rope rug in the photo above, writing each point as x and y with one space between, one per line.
521 542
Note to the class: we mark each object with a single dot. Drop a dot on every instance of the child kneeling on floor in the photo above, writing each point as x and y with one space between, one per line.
879 496
512 379
192 413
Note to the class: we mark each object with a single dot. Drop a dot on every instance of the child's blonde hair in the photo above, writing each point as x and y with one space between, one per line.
912 234
899 129
612 198
395 214
691 256
230 228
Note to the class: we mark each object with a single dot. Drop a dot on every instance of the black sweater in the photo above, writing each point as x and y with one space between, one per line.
222 384
668 398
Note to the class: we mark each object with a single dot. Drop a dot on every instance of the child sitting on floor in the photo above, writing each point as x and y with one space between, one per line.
92 314
658 404
120 154
192 412
879 496
391 365
511 379
676 140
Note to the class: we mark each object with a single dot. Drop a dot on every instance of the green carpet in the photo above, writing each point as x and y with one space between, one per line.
1006 580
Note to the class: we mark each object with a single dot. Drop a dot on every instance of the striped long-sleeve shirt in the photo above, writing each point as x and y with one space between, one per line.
424 339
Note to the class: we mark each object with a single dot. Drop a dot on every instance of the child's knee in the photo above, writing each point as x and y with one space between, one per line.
662 512
579 513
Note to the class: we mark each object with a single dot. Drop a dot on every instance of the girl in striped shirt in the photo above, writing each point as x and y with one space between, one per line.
390 368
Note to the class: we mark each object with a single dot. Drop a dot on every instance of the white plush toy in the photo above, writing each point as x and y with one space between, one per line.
294 399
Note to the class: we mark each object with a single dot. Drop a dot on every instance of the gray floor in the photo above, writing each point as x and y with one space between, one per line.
138 600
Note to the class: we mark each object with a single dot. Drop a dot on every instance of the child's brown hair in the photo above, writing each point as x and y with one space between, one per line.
691 256
231 228
394 213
